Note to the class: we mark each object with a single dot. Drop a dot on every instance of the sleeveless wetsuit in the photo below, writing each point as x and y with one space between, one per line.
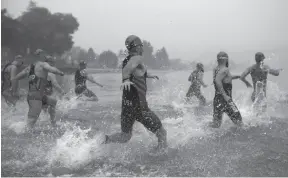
195 88
221 106
80 85
36 86
135 106
36 93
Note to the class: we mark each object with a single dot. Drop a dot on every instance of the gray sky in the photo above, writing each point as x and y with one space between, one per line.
186 28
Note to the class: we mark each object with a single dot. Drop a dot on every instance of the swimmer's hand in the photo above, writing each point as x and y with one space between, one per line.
155 77
152 76
126 85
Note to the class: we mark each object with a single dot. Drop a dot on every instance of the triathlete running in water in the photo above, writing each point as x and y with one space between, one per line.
9 71
48 90
259 73
38 73
196 79
223 102
80 83
134 103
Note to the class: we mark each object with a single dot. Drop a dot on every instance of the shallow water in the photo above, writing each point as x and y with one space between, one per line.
258 149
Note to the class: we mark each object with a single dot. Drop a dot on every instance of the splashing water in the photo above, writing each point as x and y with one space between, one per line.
258 149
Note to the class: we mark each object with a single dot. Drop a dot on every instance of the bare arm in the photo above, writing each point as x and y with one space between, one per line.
19 76
201 74
274 72
151 76
243 76
90 78
55 83
218 80
235 77
51 69
22 74
130 67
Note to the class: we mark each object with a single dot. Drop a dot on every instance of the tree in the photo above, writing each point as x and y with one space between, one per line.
162 59
148 56
51 32
91 54
108 59
13 34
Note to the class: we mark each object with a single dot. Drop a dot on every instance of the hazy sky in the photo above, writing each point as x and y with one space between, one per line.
186 28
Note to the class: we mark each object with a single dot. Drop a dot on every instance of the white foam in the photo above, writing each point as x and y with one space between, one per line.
75 149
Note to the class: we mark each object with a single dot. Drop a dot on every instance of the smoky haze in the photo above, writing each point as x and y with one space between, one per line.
186 28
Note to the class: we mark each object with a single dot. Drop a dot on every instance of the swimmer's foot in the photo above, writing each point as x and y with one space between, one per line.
159 150
214 124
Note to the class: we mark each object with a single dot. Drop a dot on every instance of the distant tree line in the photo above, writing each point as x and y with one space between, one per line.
109 59
37 28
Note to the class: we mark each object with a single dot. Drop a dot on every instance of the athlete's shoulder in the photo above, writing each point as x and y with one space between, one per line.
265 67
136 58
40 63
253 67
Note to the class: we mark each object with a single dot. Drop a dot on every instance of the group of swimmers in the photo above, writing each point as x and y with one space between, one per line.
222 80
42 79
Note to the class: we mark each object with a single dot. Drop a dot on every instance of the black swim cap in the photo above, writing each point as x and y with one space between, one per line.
259 56
200 66
132 41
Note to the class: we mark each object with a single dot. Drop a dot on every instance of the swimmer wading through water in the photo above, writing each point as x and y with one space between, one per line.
134 103
80 78
196 79
259 74
9 71
223 102
37 74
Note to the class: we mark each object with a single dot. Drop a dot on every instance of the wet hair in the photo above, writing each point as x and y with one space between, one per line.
259 56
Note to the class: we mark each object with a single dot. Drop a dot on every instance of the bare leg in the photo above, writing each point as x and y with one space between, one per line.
52 102
35 107
201 98
52 115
